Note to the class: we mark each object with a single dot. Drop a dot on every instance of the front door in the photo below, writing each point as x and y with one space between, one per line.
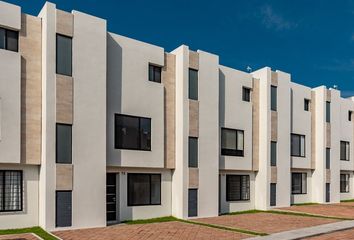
111 197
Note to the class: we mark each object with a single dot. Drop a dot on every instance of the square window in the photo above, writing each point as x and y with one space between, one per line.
297 145
299 183
246 94
237 187
144 189
232 142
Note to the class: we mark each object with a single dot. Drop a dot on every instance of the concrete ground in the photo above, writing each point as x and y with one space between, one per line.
346 234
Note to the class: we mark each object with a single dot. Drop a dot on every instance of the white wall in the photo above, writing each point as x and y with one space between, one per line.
236 113
10 16
347 131
29 216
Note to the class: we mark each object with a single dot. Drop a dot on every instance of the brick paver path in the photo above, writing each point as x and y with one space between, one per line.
25 236
345 210
159 231
265 222
346 234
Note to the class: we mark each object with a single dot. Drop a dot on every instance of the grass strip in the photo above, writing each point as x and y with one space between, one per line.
151 220
306 215
36 230
348 200
304 204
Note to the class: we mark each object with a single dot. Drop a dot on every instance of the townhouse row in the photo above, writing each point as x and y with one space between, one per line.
97 128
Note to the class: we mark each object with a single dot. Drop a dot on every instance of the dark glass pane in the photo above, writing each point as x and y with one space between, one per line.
306 105
273 194
12 41
155 189
273 98
328 112
328 192
193 84
13 191
273 154
295 145
145 133
232 142
246 94
192 202
64 55
328 158
296 183
151 73
157 74
233 184
193 152
1 190
64 144
2 38
138 189
245 187
127 132
63 208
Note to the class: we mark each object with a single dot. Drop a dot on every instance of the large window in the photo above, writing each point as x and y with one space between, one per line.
64 55
8 39
298 183
344 151
193 84
232 142
273 153
10 191
154 73
328 158
297 145
132 132
144 189
344 183
193 152
328 112
273 98
246 94
237 187
63 143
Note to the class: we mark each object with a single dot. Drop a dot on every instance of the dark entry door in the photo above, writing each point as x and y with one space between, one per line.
111 197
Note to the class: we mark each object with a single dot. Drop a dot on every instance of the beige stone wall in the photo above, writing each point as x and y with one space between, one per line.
274 78
64 99
193 178
64 177
328 135
255 124
193 60
273 174
274 126
328 175
168 80
65 22
31 88
193 118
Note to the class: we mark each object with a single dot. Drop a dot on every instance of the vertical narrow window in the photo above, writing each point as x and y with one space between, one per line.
344 150
63 143
328 112
306 104
192 202
350 116
299 183
232 142
328 158
11 191
273 194
246 94
193 84
64 55
63 209
273 153
273 98
2 38
154 73
328 192
297 145
193 152
237 187
344 183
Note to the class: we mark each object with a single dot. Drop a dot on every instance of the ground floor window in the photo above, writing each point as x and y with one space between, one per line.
237 187
299 183
10 191
144 189
344 183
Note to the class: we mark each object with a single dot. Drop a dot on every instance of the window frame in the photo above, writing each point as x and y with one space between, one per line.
129 198
273 154
248 188
6 39
347 182
273 105
3 189
347 145
291 147
328 111
307 104
139 148
232 152
246 94
350 115
328 158
301 174
154 67
189 84
190 154
56 143
56 55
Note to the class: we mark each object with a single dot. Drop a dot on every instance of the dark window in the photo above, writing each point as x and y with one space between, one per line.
193 152
273 98
328 158
246 94
328 112
232 142
193 84
350 116
344 151
10 191
298 183
132 132
8 39
64 55
63 143
344 183
297 145
63 209
273 153
192 202
144 189
273 194
306 104
237 187
328 192
154 73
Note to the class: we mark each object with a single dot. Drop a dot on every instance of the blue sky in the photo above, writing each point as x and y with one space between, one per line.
312 40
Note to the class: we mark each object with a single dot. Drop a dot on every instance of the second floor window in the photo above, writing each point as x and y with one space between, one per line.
246 94
64 55
8 39
232 142
193 84
154 73
306 104
193 152
63 143
350 113
132 133
297 145
344 150
273 98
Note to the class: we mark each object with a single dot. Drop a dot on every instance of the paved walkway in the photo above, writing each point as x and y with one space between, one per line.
24 236
309 232
343 210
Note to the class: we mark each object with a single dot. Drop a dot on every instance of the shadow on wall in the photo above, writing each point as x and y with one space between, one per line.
221 112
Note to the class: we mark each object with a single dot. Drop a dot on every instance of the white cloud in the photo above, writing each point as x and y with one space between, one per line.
272 20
